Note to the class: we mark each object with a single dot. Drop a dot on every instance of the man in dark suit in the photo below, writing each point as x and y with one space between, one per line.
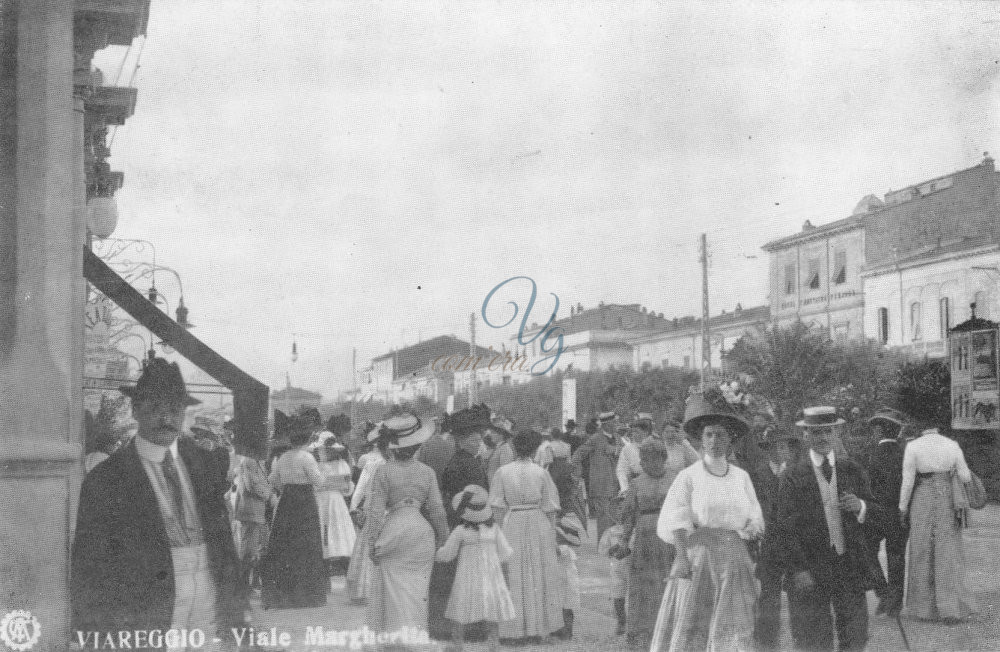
886 472
153 550
766 477
600 454
818 537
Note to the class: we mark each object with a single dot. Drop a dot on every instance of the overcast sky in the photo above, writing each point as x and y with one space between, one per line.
363 173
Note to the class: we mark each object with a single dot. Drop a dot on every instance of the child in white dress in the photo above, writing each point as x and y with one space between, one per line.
480 591
568 530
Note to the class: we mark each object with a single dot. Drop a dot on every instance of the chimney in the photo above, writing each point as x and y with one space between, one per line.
988 162
808 226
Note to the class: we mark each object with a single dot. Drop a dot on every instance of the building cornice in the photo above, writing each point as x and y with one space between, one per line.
929 260
818 233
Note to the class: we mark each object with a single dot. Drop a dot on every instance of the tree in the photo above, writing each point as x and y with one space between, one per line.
796 366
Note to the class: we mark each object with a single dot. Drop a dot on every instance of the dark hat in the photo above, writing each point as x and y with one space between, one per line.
890 415
570 424
821 416
712 408
772 435
467 421
160 379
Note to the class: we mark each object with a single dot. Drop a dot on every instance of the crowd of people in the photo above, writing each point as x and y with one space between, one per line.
467 527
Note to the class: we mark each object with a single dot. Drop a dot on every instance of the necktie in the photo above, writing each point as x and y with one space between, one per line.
174 485
827 469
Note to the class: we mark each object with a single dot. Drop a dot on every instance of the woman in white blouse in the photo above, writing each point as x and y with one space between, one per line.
935 586
710 512
292 569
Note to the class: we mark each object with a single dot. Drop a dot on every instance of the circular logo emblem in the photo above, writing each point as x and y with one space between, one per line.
19 630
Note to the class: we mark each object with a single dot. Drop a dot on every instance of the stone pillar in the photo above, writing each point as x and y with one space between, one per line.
40 374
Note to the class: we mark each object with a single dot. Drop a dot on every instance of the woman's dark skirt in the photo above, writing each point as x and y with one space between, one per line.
292 569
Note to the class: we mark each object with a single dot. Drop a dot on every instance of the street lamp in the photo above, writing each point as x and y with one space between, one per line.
154 295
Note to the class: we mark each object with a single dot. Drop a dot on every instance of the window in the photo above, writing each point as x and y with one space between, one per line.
666 363
915 330
812 277
840 266
789 279
841 331
945 317
687 362
883 325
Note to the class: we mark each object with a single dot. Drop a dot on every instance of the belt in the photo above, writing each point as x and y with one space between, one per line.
651 510
522 508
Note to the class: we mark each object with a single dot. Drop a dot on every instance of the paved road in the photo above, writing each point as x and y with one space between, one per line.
595 624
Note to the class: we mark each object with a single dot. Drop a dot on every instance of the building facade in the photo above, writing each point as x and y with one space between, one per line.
932 251
425 369
815 276
680 345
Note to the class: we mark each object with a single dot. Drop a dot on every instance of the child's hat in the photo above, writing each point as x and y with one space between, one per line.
472 504
568 530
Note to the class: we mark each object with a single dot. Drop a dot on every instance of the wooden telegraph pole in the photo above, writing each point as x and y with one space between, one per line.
706 335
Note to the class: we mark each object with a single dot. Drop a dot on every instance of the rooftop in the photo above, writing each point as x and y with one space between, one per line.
871 205
411 359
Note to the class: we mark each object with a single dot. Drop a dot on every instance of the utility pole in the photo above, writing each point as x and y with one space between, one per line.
473 383
354 383
706 335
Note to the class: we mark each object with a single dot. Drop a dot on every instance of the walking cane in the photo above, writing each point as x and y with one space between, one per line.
899 622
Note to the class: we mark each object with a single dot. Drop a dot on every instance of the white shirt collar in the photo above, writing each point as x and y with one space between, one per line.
154 452
817 459
885 441
777 469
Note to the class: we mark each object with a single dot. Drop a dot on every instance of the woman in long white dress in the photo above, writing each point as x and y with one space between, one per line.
403 540
336 526
360 570
935 586
525 502
710 510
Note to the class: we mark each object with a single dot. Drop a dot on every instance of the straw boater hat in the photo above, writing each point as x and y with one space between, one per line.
605 417
821 416
160 379
406 431
702 411
643 419
568 530
472 504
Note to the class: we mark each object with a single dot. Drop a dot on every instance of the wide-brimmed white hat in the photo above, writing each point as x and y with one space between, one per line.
406 430
820 416
472 504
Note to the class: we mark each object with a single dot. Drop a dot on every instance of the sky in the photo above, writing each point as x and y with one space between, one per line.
359 175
